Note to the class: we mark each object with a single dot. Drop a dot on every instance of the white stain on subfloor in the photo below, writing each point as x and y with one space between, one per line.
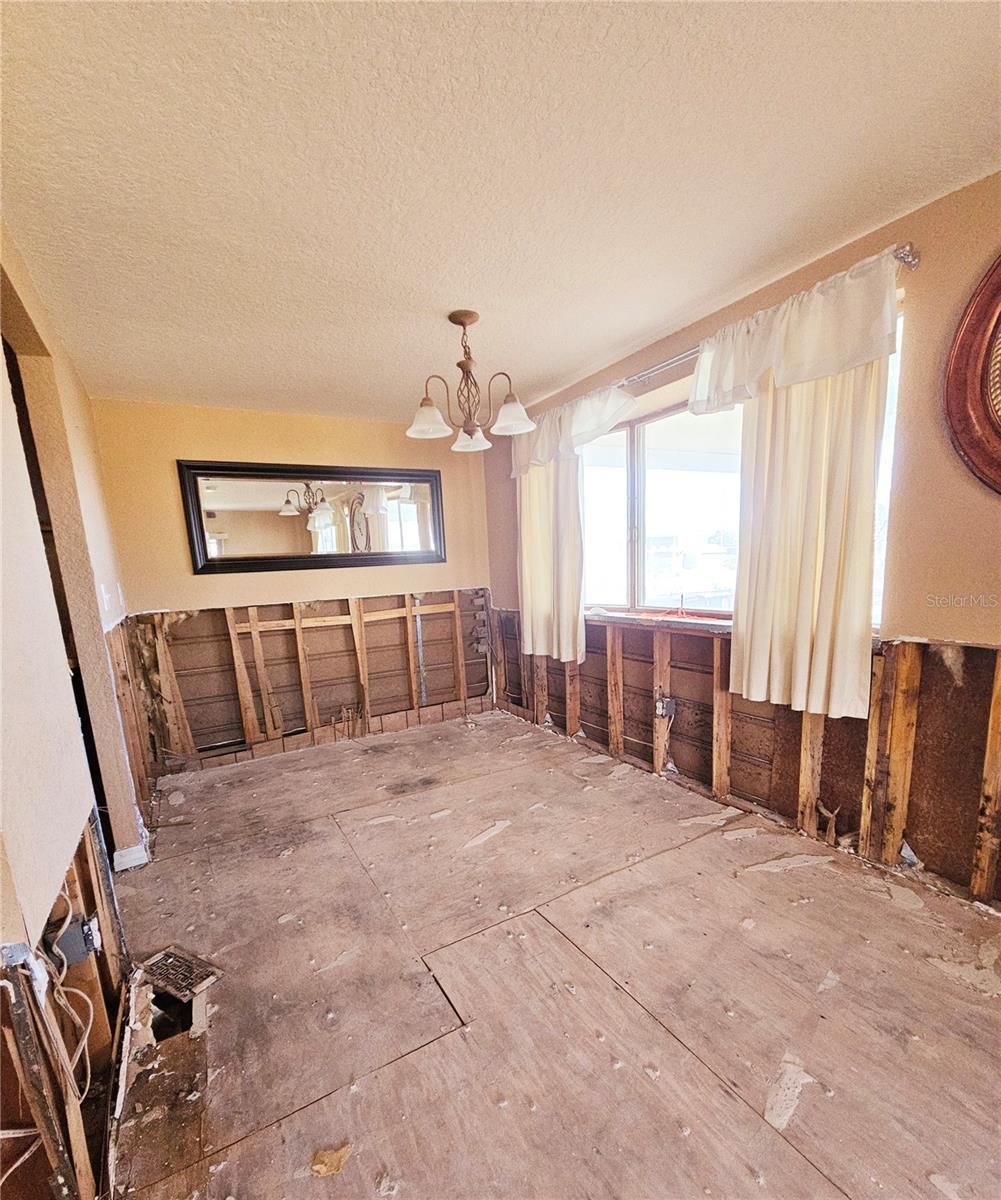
740 835
487 834
948 1189
783 1096
442 812
791 862
982 974
830 980
905 897
714 818
382 820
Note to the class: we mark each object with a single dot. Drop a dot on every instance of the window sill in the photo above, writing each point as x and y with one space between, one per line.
674 622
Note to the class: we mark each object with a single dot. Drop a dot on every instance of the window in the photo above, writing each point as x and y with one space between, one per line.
660 509
689 514
661 506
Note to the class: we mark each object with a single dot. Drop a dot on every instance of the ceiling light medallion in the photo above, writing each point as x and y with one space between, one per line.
428 421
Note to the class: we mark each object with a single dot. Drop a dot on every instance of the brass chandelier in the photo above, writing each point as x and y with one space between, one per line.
511 417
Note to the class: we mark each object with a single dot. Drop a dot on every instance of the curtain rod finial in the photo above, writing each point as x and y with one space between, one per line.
908 255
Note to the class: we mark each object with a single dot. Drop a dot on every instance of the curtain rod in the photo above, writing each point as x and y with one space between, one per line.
906 254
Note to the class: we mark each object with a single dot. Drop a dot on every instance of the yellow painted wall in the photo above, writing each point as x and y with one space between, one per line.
140 444
944 537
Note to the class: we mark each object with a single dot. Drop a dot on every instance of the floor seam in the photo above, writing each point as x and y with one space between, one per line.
570 891
216 1150
688 1049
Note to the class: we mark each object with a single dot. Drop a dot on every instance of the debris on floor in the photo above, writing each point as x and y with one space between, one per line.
331 1162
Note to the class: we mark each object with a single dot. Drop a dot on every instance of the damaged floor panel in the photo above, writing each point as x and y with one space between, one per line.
457 859
849 1010
248 799
560 1086
626 990
319 984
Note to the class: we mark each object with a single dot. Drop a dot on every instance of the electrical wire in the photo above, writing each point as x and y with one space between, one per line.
24 1157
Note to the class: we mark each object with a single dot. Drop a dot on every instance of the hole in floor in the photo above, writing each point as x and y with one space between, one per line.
170 1016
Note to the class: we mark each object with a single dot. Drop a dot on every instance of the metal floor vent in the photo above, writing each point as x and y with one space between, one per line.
179 973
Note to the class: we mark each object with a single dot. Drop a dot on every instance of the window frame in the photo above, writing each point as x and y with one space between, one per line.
635 526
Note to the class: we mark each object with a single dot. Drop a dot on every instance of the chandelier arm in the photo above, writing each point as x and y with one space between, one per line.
490 390
298 498
448 396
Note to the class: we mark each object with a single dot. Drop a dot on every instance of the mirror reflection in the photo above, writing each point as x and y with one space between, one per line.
253 517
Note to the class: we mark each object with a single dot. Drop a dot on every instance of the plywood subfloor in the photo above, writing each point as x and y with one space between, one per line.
495 964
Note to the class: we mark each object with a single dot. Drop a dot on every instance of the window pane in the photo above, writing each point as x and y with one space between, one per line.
605 516
690 495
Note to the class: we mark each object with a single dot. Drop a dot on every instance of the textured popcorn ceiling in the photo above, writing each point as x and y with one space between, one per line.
271 205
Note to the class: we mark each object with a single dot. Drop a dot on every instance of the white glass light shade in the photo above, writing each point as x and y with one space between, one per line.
428 423
323 507
512 418
465 444
288 509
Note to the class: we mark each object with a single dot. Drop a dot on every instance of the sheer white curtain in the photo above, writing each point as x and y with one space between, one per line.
812 376
546 466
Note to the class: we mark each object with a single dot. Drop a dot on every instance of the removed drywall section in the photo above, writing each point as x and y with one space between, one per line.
920 771
209 685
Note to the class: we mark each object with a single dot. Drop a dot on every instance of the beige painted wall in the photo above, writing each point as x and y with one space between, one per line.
45 782
254 532
944 536
140 444
63 429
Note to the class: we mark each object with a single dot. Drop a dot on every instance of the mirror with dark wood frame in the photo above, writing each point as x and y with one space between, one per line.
279 517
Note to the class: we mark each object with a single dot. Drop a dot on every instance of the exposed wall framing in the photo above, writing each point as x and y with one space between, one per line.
214 686
925 769
54 1067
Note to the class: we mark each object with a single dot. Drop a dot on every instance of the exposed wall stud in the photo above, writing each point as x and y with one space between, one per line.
613 652
527 678
722 718
132 724
571 678
308 703
499 660
988 841
811 754
244 694
540 687
178 729
865 847
413 683
273 722
898 713
458 651
356 608
661 694
33 1076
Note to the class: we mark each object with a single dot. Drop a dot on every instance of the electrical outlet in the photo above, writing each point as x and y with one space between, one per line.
665 706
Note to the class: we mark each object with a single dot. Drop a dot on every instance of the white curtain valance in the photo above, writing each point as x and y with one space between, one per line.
842 323
562 431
